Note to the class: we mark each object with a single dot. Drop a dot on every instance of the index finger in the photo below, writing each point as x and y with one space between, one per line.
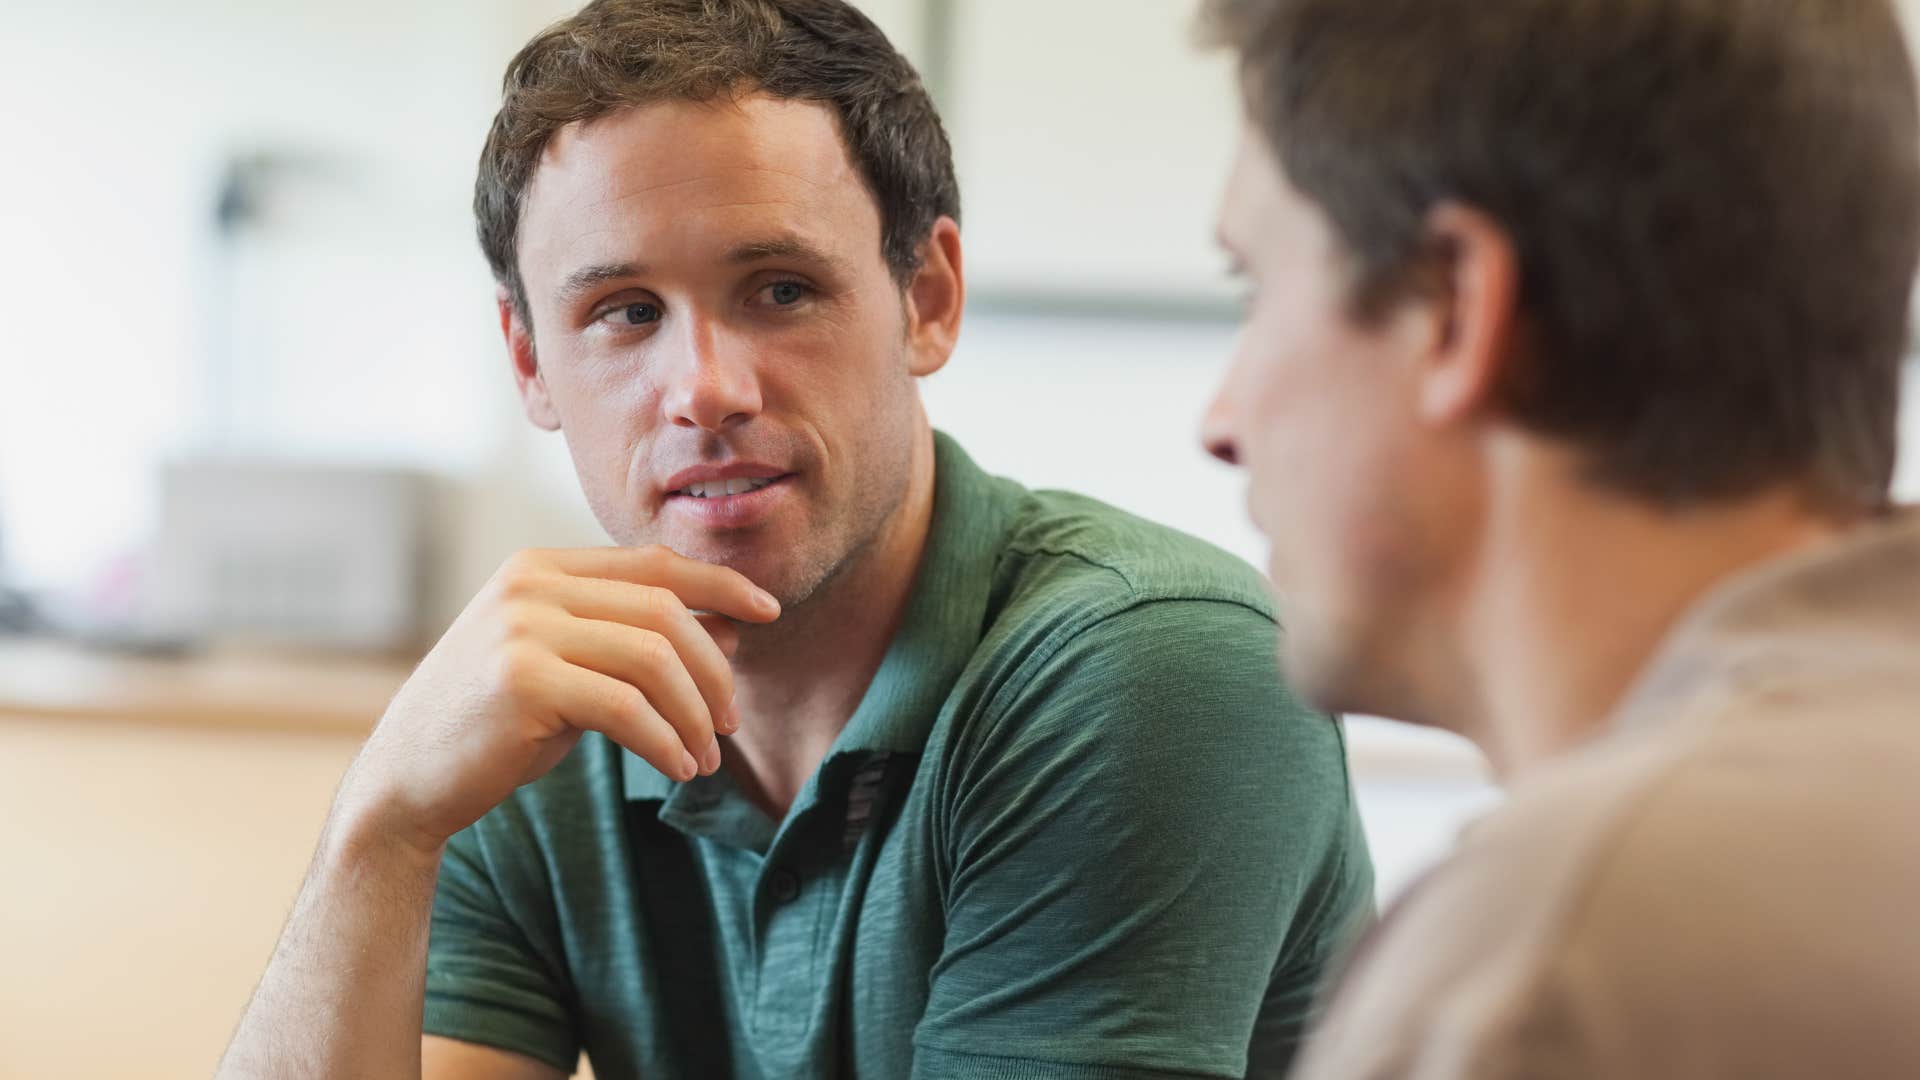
701 586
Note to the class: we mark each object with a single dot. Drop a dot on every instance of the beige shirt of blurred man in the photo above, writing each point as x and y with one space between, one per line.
1722 884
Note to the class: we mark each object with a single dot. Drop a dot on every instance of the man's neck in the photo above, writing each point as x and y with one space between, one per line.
798 682
1574 592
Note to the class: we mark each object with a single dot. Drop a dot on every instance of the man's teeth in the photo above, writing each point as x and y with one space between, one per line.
714 489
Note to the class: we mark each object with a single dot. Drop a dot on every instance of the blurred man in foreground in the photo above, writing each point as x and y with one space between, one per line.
852 759
1568 394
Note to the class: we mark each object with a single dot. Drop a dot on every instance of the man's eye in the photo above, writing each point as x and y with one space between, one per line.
786 293
636 314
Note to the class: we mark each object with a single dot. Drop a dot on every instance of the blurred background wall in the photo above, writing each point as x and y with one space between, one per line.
240 233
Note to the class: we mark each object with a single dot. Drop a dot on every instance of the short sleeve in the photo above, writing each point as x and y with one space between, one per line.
486 982
1153 855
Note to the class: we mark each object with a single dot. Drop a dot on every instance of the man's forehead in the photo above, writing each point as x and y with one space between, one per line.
745 142
752 168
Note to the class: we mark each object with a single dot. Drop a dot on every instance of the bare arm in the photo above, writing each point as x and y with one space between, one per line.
557 644
350 966
357 892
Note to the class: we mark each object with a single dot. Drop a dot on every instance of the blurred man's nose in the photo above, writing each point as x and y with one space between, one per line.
712 384
1222 448
1216 431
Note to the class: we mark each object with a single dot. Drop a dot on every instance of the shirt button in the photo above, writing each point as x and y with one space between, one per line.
784 886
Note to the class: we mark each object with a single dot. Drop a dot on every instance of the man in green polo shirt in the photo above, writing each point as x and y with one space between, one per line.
849 760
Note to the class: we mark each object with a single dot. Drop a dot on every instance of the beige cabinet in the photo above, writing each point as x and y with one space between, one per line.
155 821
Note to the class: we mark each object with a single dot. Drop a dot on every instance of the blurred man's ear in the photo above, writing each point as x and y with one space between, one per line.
935 299
526 366
1476 303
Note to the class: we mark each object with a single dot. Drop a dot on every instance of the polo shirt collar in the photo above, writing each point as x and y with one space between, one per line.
939 631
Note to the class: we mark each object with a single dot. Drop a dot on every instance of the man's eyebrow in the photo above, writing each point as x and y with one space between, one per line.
787 246
588 278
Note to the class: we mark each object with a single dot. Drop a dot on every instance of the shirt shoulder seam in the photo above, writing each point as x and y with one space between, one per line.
1139 592
1061 636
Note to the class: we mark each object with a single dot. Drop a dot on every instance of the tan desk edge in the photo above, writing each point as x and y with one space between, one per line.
279 692
221 689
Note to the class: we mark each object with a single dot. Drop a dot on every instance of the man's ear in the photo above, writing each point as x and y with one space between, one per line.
935 299
1477 305
526 366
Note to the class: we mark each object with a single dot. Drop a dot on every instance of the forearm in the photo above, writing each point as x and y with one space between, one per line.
342 996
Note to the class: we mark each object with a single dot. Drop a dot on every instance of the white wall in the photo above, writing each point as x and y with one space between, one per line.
1091 141
370 334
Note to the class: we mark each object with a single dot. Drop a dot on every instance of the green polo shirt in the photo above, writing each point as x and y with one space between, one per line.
1077 828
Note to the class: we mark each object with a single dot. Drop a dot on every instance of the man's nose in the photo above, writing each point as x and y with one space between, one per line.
713 385
1216 431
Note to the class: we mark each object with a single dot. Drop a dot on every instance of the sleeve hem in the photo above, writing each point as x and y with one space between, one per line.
503 1029
932 1063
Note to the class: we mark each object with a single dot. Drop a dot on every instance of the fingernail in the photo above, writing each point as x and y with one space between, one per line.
689 768
768 602
711 764
729 720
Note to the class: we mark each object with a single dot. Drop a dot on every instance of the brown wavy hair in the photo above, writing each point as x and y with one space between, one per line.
618 54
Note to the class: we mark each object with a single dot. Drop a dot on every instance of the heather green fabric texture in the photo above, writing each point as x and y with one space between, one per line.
1076 829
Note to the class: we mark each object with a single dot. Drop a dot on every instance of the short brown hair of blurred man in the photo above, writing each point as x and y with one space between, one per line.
1568 395
849 759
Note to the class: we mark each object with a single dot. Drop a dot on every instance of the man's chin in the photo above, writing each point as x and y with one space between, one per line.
759 560
780 567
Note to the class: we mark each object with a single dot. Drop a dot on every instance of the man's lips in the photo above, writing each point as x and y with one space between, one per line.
721 507
707 478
